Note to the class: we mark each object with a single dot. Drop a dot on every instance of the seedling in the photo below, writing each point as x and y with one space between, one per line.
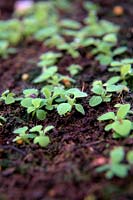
115 167
71 96
23 135
46 74
43 140
74 69
104 91
34 106
121 126
124 68
8 97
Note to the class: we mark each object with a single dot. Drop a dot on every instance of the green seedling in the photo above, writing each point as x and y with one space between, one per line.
104 91
120 125
2 120
71 97
23 135
46 74
43 140
34 106
124 68
8 97
115 167
50 94
74 69
51 76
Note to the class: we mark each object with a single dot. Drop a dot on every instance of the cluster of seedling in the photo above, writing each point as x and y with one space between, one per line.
116 165
57 93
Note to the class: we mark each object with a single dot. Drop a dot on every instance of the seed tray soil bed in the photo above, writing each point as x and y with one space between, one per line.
65 170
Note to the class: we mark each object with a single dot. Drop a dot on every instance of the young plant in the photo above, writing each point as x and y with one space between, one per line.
34 106
120 125
124 68
104 91
115 167
42 139
46 74
50 94
23 135
70 97
8 97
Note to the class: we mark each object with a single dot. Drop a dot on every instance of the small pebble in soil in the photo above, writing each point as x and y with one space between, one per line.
25 77
118 10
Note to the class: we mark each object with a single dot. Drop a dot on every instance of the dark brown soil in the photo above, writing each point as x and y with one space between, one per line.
65 170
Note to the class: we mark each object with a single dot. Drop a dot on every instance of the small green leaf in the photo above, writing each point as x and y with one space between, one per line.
36 102
48 128
130 156
122 111
111 37
63 108
9 100
119 50
76 92
120 170
122 128
117 155
95 100
115 88
30 109
80 108
41 114
21 130
37 128
42 140
107 116
98 89
27 102
113 80
108 127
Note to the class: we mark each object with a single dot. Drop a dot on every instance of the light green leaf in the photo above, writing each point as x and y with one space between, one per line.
130 156
48 128
95 100
37 128
63 108
97 89
113 80
107 116
122 111
41 114
117 155
111 37
80 108
27 102
122 128
120 170
108 127
42 140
